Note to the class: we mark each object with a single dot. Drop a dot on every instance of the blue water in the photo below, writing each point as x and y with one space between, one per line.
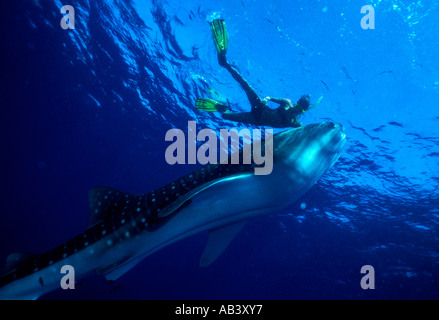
91 106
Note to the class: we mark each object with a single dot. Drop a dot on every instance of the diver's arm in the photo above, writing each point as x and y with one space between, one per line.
281 101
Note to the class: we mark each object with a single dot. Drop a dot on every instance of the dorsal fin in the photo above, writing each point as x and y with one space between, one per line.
14 259
105 201
218 241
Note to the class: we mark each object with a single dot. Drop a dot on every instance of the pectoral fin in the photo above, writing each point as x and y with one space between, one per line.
218 241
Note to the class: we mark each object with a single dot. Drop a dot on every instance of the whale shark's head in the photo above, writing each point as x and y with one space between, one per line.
308 152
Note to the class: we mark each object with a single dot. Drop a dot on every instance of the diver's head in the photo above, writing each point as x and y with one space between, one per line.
303 103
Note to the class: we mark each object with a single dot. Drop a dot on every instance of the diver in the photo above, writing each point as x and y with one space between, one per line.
286 115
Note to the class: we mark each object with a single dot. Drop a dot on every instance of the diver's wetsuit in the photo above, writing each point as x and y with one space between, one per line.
286 115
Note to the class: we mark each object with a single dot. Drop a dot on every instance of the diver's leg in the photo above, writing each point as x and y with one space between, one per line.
252 96
246 117
220 38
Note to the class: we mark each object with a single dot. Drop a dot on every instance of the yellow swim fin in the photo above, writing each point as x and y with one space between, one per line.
219 34
210 105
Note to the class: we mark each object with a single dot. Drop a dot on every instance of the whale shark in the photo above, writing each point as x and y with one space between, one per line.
218 198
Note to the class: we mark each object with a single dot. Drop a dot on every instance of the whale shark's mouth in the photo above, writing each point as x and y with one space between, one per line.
341 143
338 140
